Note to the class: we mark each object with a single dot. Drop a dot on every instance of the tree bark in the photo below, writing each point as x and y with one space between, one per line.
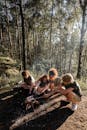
23 37
43 109
8 30
51 49
83 7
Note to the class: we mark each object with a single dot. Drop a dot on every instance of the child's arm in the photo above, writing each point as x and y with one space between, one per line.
37 83
45 88
64 91
42 90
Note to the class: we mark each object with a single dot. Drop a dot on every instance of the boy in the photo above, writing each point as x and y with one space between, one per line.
71 90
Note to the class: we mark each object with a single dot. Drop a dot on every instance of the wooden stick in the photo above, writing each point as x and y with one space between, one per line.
47 97
37 113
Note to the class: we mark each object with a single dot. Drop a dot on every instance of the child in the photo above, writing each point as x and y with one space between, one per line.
41 87
53 74
42 84
28 83
71 90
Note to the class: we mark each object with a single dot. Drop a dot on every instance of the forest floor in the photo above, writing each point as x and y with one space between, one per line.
65 119
59 119
78 119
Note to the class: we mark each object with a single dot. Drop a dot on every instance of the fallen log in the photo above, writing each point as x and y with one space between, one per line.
41 110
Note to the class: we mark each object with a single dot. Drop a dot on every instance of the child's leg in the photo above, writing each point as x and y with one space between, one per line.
75 99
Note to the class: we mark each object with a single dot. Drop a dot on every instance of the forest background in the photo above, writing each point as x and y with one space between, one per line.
40 34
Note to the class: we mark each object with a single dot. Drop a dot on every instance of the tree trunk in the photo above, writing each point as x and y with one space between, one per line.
42 110
17 42
8 30
50 49
70 61
1 32
81 41
23 38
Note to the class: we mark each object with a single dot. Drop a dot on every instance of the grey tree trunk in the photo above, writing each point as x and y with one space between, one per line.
23 37
83 7
8 30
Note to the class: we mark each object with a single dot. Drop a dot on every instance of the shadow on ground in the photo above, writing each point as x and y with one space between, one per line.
51 121
11 110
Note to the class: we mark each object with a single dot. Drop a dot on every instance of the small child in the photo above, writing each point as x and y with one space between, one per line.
42 85
71 90
28 83
53 74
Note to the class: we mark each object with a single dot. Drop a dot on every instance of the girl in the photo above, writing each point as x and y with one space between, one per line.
53 74
42 85
28 83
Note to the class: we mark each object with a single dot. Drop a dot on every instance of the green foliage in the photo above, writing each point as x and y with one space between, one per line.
52 35
8 71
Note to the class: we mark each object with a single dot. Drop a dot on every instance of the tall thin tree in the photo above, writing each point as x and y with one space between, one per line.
23 36
83 5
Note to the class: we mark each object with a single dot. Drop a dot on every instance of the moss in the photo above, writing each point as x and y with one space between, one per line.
9 74
7 61
3 81
12 72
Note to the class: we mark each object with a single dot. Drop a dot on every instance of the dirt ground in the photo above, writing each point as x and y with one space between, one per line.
78 120
62 119
59 119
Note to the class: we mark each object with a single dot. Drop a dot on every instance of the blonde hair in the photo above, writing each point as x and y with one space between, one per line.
68 78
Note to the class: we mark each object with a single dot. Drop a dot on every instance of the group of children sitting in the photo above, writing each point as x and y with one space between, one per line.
47 83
